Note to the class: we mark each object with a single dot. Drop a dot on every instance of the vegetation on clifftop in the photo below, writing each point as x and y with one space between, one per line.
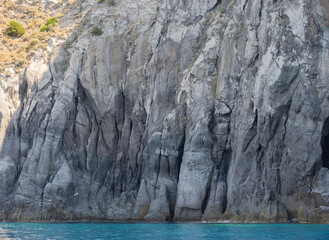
20 36
96 31
51 22
15 29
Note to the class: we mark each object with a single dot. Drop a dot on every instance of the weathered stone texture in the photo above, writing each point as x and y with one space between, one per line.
182 110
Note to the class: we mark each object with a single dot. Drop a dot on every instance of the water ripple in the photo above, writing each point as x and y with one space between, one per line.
146 231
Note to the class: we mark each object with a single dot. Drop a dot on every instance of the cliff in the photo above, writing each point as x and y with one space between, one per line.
181 110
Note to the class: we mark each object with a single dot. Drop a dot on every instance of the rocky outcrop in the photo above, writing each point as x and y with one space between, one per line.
181 110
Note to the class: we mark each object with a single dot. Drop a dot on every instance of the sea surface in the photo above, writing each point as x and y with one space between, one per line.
144 231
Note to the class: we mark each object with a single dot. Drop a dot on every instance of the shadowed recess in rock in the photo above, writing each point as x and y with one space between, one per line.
325 144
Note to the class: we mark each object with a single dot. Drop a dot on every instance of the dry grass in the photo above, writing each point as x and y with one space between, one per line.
16 53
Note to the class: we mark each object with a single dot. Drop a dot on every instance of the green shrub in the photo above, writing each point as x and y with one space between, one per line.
50 22
96 31
110 2
45 28
15 29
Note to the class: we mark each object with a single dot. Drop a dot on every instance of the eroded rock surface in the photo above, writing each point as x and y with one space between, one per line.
182 110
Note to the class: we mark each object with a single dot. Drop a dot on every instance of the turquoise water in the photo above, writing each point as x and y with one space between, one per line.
146 231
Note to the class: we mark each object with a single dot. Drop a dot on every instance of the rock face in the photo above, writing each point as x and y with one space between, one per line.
181 110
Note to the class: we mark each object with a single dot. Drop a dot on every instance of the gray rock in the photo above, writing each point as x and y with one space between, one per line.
8 174
159 208
180 110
